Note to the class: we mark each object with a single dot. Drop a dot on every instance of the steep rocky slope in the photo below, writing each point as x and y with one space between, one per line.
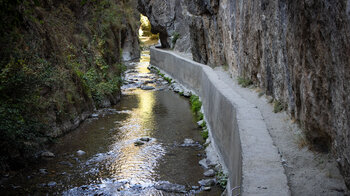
296 51
59 61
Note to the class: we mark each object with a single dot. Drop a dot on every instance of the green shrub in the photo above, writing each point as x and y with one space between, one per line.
175 37
277 107
200 116
221 178
196 105
205 134
204 125
169 80
261 93
244 82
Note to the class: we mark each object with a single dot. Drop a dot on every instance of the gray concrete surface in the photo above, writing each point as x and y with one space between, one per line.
237 128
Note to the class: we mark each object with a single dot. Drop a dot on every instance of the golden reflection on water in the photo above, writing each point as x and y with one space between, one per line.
136 163
144 62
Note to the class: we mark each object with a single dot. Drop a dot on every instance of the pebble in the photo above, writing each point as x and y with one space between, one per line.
43 171
138 143
51 184
188 141
207 188
94 115
145 87
168 187
47 154
195 187
66 163
145 139
207 182
80 152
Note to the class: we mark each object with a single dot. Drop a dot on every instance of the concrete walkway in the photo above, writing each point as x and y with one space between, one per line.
308 172
237 128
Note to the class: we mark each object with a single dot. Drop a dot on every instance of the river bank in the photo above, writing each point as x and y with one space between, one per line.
149 144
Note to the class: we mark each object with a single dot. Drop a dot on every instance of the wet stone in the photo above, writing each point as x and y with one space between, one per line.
187 94
145 139
189 143
138 143
169 187
199 123
209 173
207 182
51 184
47 154
43 171
94 115
66 163
145 87
80 152
204 164
195 187
207 188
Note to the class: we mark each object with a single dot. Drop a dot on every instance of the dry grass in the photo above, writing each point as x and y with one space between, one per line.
301 141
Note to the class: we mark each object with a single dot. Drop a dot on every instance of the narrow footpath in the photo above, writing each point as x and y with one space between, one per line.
308 172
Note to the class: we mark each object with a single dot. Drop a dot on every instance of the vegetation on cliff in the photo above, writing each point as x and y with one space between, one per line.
59 60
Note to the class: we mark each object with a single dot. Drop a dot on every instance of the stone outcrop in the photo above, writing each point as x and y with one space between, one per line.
168 18
296 51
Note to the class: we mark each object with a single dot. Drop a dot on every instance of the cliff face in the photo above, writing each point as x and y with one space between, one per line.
59 61
297 51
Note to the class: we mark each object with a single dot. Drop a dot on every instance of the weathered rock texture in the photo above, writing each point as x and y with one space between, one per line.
297 51
168 19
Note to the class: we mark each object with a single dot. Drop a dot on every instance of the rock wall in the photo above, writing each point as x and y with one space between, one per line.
296 51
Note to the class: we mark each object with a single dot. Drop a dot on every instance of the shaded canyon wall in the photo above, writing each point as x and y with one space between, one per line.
296 51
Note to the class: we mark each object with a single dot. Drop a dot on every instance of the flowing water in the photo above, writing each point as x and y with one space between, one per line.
102 158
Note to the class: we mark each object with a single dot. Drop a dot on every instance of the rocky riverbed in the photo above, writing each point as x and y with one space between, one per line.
148 144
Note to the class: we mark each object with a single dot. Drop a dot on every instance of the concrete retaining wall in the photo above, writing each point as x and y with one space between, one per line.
238 131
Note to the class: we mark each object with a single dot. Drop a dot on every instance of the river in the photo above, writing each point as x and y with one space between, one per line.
133 148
